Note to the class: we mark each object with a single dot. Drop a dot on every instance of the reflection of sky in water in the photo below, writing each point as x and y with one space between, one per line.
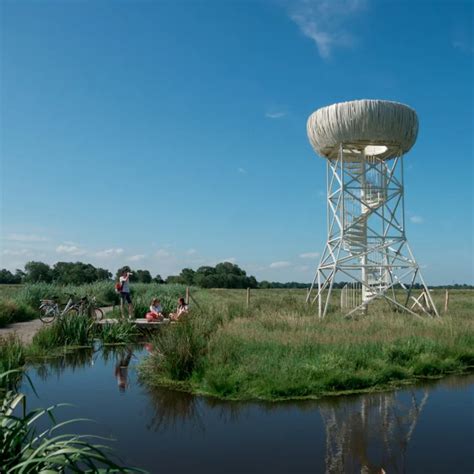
427 429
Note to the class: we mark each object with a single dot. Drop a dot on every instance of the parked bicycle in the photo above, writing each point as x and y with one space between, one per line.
50 309
90 307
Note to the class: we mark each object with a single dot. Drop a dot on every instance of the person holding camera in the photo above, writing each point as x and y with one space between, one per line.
125 293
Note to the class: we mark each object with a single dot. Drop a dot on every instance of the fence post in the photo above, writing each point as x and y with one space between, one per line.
446 301
248 297
187 295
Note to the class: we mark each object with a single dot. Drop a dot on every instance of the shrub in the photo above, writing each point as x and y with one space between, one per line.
12 311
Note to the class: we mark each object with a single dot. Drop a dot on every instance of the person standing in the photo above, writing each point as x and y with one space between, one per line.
125 293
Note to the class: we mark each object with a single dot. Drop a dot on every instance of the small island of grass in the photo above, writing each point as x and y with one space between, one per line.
277 348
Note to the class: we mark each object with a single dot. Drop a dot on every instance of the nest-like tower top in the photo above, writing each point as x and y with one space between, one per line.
374 127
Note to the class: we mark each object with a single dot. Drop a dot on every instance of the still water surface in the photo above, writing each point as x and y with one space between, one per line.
423 429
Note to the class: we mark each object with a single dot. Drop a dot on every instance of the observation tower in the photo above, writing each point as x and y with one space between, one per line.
363 142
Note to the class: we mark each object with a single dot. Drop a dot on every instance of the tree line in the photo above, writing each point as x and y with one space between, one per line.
223 275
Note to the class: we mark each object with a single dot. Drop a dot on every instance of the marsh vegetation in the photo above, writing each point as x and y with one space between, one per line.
277 348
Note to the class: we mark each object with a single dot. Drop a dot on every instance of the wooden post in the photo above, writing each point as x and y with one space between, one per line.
248 297
446 301
187 295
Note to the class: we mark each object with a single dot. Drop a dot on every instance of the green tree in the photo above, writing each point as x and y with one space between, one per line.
187 276
6 276
78 273
141 276
38 272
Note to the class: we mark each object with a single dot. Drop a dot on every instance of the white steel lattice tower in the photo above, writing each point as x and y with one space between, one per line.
364 142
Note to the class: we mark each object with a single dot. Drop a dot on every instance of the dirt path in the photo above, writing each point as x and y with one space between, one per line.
26 330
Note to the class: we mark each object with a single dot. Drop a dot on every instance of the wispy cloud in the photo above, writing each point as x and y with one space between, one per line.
463 46
241 171
309 255
162 253
26 238
323 21
417 219
191 252
15 252
275 115
70 250
303 268
109 252
136 258
281 264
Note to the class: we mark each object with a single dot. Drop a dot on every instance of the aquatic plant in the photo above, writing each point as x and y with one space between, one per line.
12 357
121 332
72 329
26 449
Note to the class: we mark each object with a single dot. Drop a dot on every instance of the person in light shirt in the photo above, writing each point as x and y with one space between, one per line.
180 310
125 293
156 311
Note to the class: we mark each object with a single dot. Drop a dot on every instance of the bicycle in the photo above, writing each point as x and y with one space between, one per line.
49 309
90 307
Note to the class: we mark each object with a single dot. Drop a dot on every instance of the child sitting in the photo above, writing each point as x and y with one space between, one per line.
156 311
180 310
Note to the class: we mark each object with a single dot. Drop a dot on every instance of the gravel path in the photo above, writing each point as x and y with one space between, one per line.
25 331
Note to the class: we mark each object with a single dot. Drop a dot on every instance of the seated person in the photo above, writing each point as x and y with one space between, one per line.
156 311
180 310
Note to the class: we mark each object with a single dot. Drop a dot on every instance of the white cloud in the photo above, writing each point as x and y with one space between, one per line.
191 252
241 171
275 115
136 258
109 252
463 46
162 253
26 238
417 219
309 255
281 264
70 250
16 252
322 21
303 268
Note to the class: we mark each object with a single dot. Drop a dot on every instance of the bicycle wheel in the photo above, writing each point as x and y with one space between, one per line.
47 314
97 314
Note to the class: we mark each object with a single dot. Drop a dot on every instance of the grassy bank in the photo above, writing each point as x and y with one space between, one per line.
278 349
63 336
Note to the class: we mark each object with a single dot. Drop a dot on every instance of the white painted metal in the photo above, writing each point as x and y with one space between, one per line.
366 241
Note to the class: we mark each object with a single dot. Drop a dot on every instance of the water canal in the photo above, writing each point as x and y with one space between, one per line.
427 429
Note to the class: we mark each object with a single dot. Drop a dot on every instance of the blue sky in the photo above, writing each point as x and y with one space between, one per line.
171 134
